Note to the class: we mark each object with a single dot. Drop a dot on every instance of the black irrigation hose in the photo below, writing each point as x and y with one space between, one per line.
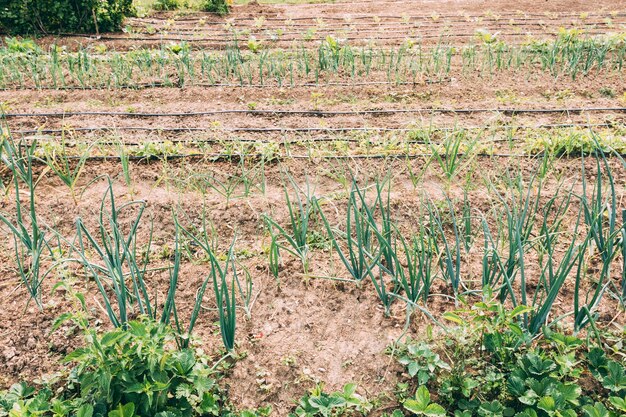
462 18
317 113
229 85
352 28
231 157
285 130
493 24
268 141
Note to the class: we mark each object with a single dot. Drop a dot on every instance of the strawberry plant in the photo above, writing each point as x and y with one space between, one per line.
421 361
509 375
422 406
133 372
318 403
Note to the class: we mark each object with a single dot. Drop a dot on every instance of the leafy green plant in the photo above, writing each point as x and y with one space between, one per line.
220 7
22 45
46 16
318 403
421 404
421 362
619 404
132 372
596 410
166 5
496 369
615 378
491 409
158 150
136 366
255 46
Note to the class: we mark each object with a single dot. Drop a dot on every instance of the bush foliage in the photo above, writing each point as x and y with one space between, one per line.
166 5
220 7
56 16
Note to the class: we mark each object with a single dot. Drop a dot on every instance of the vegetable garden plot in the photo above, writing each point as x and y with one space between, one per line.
325 228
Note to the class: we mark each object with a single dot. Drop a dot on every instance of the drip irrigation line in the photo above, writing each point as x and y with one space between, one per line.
407 31
265 141
283 142
287 130
230 157
228 85
316 113
441 16
492 24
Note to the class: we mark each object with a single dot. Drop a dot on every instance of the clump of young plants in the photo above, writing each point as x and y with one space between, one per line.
319 403
31 245
493 367
295 237
133 372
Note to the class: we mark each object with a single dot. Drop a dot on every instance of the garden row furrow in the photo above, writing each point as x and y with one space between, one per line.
445 17
317 113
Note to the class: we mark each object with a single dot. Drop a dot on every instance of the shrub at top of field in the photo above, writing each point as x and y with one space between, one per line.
220 7
55 16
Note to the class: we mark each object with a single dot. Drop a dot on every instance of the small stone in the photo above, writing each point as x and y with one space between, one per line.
9 353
